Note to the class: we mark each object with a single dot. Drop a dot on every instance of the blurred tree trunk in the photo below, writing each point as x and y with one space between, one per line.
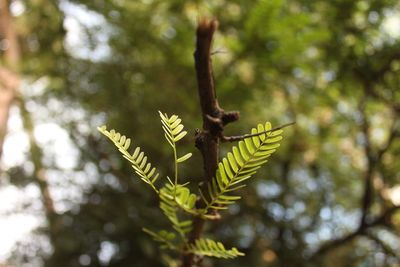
9 86
9 81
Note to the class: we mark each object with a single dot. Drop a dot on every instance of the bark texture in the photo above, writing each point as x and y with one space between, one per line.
214 118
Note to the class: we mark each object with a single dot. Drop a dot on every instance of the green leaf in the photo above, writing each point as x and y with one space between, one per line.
170 203
183 158
249 145
173 118
176 123
173 128
260 129
180 136
163 236
138 158
243 151
182 195
238 158
221 172
227 197
177 130
127 144
208 247
227 168
232 162
239 165
191 201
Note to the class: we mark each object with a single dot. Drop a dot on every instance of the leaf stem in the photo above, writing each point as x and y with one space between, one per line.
176 169
225 187
242 137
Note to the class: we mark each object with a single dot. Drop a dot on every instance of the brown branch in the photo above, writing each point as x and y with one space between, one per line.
207 141
205 79
214 119
242 137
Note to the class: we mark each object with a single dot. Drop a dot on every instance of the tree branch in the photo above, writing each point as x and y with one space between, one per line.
383 219
9 81
371 161
242 137
13 60
214 119
207 141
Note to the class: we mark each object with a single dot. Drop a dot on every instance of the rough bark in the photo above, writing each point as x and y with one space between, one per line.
214 118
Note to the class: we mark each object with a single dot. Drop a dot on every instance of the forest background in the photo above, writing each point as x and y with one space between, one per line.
329 197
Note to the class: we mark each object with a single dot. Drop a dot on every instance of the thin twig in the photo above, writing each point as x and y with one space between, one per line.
219 51
242 137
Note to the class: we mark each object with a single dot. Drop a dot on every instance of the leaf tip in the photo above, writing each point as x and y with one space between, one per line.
102 128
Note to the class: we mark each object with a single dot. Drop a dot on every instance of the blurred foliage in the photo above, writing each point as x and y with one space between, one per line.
330 66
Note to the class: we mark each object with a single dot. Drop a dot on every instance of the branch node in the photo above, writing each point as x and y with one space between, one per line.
199 139
230 116
217 125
